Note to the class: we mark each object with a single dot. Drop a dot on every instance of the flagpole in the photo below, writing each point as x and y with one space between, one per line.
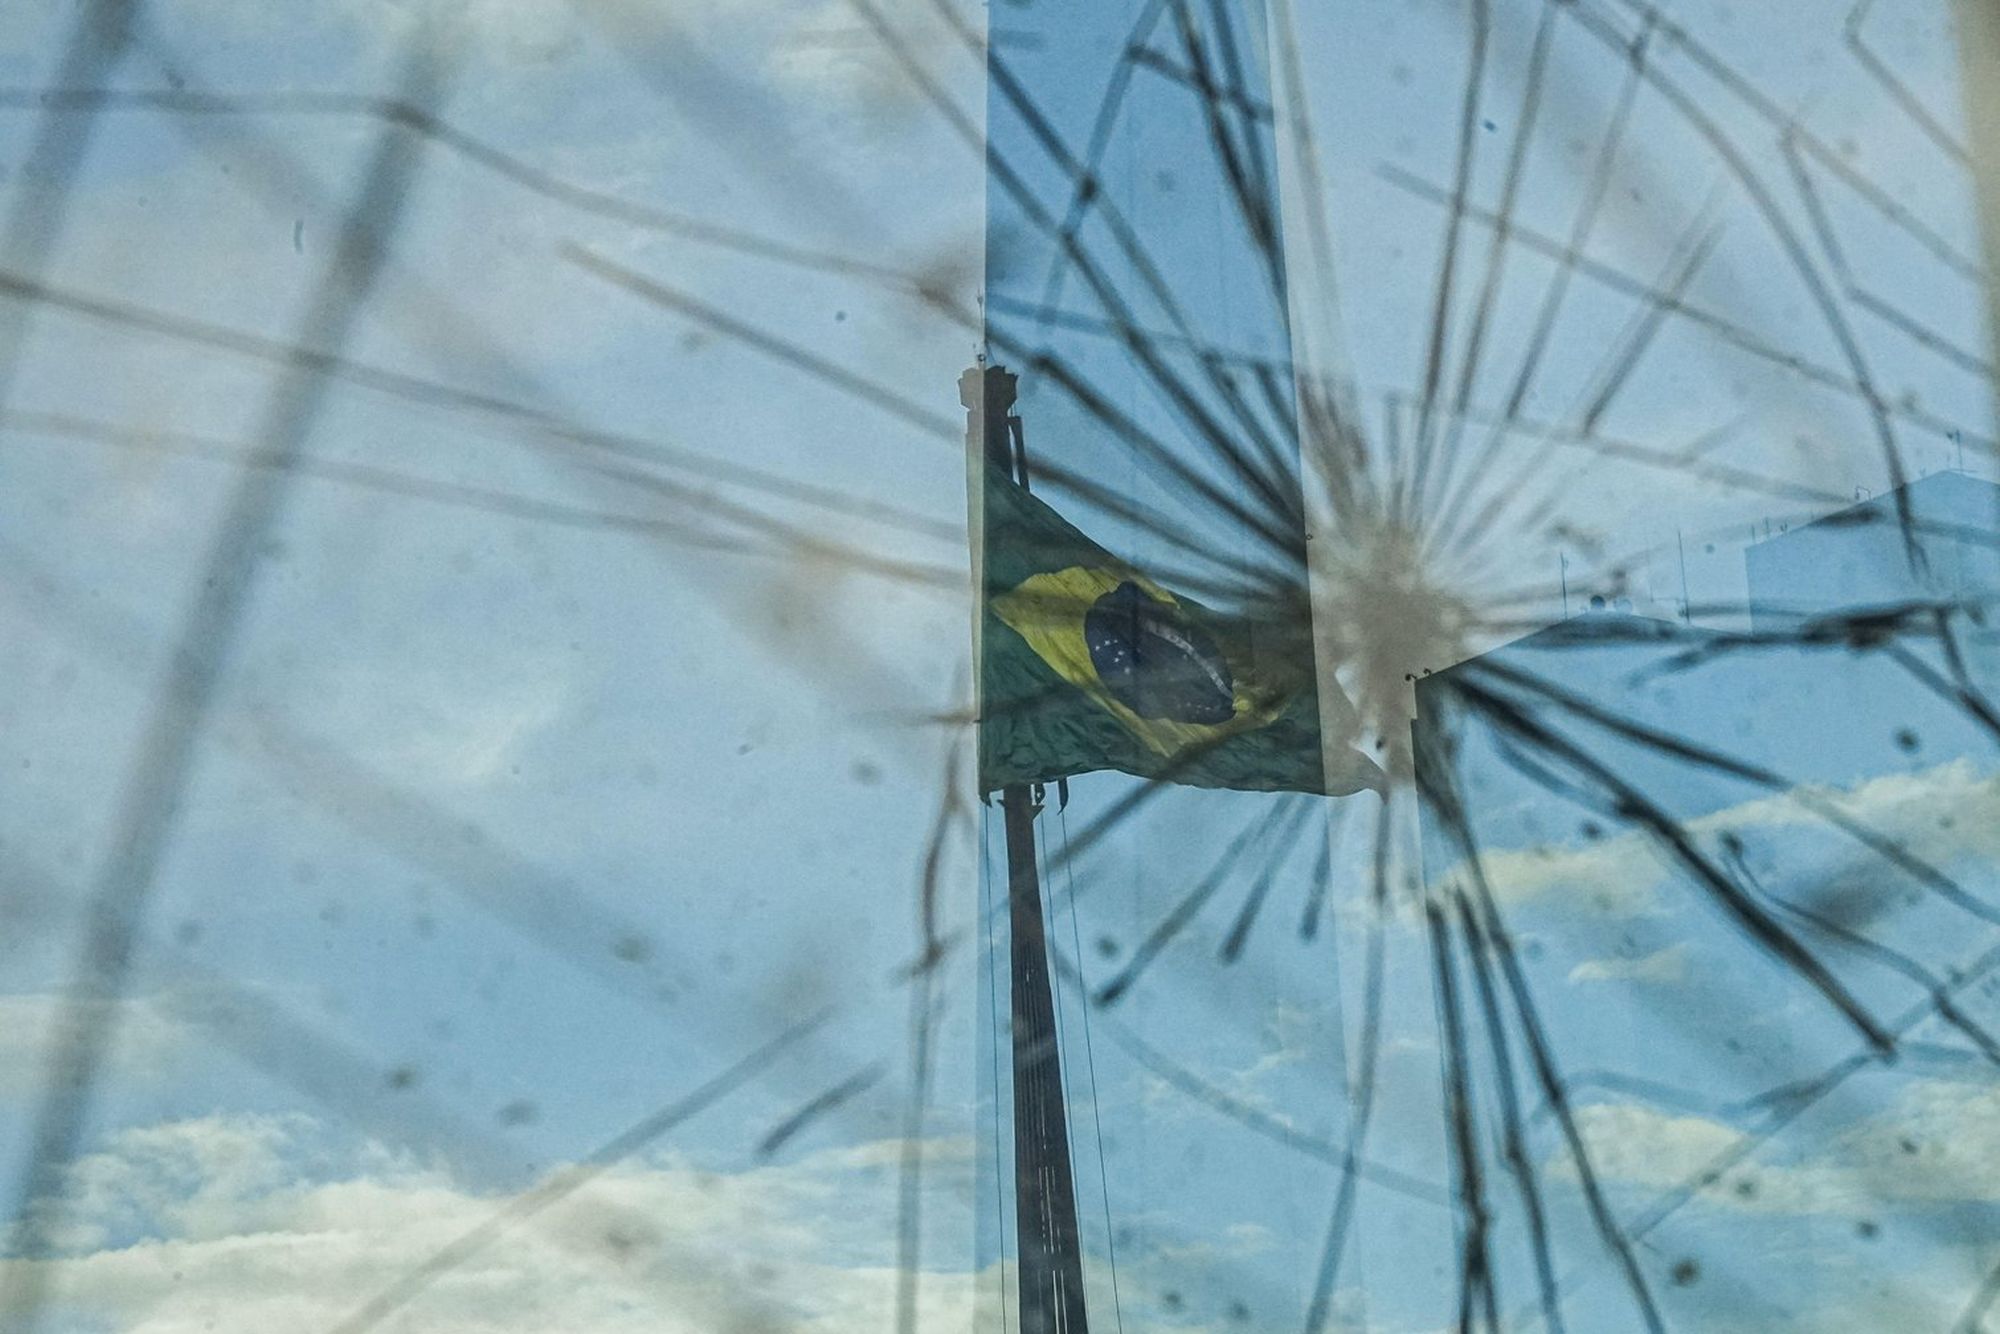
1049 1257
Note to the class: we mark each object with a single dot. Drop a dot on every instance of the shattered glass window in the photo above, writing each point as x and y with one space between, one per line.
858 665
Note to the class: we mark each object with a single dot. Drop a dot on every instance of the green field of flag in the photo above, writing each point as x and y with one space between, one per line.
1088 664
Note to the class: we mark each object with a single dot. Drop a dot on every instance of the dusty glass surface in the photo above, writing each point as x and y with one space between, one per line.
853 665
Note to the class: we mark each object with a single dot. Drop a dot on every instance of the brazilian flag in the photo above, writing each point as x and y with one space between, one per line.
1085 663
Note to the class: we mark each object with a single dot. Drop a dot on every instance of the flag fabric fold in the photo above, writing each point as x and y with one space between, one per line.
1088 664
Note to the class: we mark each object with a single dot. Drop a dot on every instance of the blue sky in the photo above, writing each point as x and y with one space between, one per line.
508 832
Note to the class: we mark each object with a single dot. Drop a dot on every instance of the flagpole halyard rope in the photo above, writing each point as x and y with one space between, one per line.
993 1019
1090 1062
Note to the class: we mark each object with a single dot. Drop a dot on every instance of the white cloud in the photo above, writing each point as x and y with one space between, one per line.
1637 1145
1907 1306
1936 1143
456 722
831 53
235 1224
1943 815
231 1224
1292 1034
146 1044
1659 967
1615 876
